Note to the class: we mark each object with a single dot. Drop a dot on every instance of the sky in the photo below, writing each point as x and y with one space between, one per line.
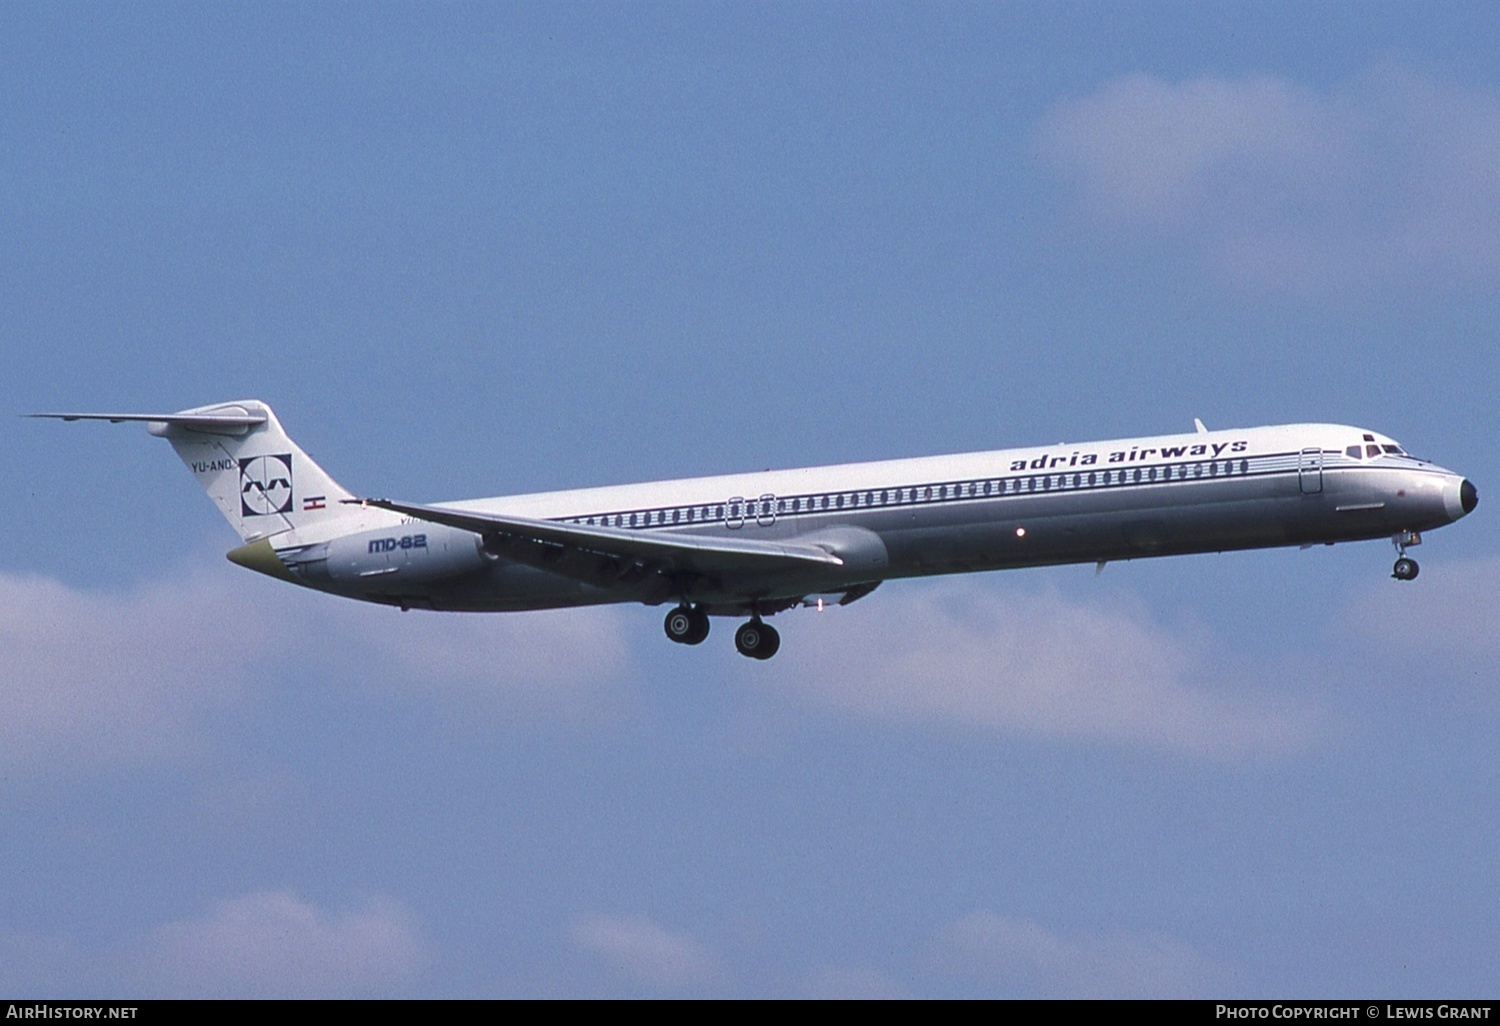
470 250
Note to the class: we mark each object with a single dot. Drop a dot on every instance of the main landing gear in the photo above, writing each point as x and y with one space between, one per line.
1406 569
757 640
686 625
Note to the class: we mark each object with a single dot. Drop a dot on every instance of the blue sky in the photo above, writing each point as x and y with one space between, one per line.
473 250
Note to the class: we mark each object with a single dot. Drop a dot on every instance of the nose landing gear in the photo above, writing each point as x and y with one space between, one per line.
1406 569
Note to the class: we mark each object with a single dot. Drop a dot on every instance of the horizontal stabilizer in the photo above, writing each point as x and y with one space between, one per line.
675 551
216 423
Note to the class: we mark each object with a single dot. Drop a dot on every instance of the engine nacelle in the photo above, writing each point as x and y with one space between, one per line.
864 554
412 552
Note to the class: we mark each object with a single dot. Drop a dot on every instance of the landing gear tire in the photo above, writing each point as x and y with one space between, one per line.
757 640
686 625
1405 569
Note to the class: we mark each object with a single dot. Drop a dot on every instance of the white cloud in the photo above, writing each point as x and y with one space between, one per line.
952 653
1391 178
273 945
104 678
646 951
1027 960
97 677
556 662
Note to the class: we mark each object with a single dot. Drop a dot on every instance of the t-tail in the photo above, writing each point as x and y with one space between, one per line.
262 482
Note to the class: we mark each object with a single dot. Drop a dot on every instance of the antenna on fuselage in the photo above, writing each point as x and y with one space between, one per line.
1199 425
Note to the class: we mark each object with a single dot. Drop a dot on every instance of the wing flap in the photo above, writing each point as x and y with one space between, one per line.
675 552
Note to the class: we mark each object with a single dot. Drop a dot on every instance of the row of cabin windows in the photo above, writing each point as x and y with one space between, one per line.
769 506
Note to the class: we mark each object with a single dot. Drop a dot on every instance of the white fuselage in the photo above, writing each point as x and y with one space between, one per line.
1092 502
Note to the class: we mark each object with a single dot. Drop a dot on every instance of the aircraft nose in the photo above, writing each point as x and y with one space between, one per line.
1459 497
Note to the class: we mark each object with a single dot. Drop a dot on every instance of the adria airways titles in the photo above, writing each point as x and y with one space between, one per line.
752 545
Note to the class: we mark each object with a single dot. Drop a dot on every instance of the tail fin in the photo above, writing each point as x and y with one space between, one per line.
257 476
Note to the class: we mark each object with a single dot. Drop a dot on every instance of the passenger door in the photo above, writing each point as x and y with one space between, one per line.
1310 471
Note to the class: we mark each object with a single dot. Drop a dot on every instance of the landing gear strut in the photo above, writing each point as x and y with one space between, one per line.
686 625
757 640
1406 569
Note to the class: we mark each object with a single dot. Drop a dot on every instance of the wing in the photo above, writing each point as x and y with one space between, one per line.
589 553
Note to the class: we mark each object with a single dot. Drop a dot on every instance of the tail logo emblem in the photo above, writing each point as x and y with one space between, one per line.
265 485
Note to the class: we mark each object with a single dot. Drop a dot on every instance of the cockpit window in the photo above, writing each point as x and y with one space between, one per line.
1394 450
1354 452
1372 450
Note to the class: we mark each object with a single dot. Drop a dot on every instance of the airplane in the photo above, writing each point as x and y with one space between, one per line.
756 544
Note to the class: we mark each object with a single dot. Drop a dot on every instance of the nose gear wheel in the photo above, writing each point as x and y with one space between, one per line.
1406 568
